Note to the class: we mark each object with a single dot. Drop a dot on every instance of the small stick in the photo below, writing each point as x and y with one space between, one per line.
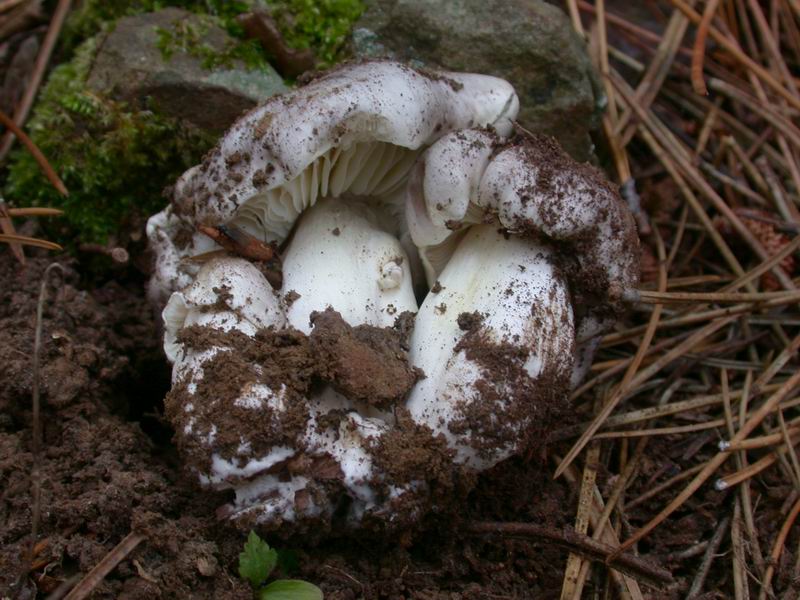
29 241
664 486
572 585
708 558
699 47
7 228
40 158
654 297
758 442
34 212
36 450
580 544
105 566
117 254
751 470
787 438
239 242
740 589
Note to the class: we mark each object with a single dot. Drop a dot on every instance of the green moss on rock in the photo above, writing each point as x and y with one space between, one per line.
114 161
322 25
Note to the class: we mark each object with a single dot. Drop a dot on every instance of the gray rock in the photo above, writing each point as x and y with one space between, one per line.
143 61
527 42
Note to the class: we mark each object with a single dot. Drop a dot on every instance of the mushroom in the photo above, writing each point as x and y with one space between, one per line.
368 181
535 256
327 164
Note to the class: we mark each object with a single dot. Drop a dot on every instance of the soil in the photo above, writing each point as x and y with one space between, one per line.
109 467
364 363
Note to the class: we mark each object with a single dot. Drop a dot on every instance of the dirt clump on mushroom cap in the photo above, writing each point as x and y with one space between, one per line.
364 363
208 408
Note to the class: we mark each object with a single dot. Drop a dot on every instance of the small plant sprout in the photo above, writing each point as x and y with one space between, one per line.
257 562
443 287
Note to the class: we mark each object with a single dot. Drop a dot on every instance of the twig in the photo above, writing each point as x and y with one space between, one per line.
580 544
571 587
740 588
655 297
758 442
36 446
699 47
7 228
105 566
751 470
712 465
708 558
29 241
44 165
39 68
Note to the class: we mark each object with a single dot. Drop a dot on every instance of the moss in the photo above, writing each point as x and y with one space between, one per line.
114 161
322 25
189 38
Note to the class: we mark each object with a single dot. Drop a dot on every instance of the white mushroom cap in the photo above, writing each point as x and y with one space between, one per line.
238 285
379 101
441 194
356 130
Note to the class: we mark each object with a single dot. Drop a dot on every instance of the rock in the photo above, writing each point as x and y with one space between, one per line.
160 60
527 42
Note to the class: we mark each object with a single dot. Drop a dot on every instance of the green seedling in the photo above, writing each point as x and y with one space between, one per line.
256 563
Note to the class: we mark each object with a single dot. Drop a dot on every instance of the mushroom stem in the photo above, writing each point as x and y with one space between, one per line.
341 258
496 345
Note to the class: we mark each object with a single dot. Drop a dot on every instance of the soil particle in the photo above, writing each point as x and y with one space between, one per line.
469 321
411 452
437 287
290 297
364 363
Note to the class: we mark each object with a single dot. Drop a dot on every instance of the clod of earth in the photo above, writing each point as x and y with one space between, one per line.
348 389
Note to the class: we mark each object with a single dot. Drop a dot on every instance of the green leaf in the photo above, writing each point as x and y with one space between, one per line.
290 589
257 560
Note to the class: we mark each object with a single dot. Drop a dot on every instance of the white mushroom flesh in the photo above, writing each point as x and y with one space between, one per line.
518 300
